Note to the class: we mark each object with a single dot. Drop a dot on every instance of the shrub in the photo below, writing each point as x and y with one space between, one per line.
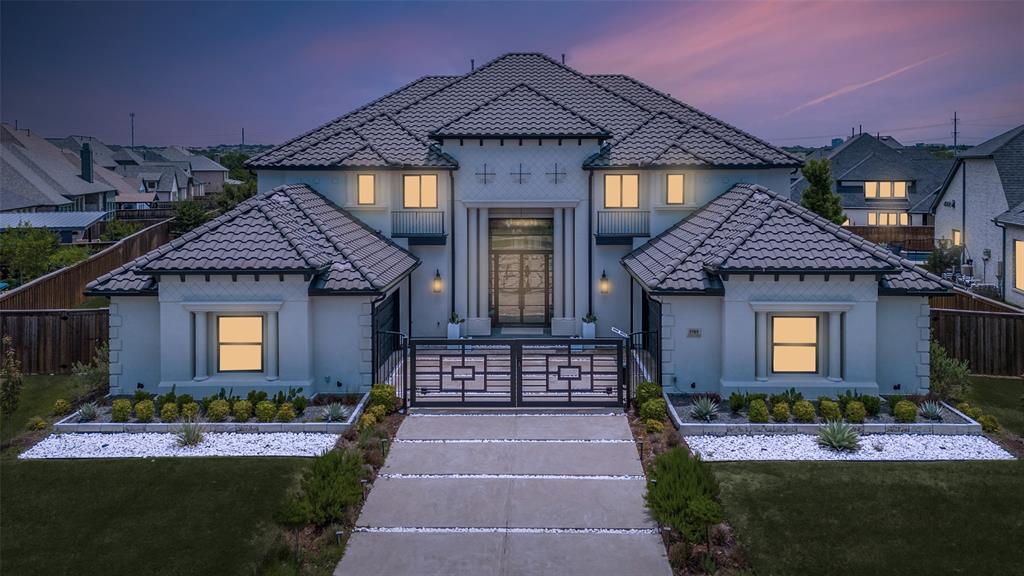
377 411
678 556
331 486
144 410
829 410
300 403
932 410
737 402
120 410
217 410
790 397
265 411
169 412
190 410
758 411
949 377
169 398
335 412
655 426
61 407
803 411
189 434
184 399
88 412
701 514
758 396
677 480
242 410
905 411
704 408
780 412
141 395
37 423
286 413
654 409
96 374
10 377
647 390
384 395
839 436
872 404
855 412
970 411
256 396
989 424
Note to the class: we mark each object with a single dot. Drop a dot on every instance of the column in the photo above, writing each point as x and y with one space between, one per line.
559 267
568 262
835 346
271 345
483 266
761 342
580 243
472 244
199 318
459 277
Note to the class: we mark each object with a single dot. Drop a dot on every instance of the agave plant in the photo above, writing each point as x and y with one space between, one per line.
335 412
932 410
704 408
839 436
190 434
87 413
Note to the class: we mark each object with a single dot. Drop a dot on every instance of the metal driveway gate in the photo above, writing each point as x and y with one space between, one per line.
525 372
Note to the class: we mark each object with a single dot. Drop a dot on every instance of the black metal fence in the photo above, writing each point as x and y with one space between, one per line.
417 223
389 361
623 223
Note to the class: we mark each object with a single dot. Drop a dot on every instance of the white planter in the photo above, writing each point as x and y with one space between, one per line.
589 330
453 331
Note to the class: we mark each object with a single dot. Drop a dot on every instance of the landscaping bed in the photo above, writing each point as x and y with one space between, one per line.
875 447
153 445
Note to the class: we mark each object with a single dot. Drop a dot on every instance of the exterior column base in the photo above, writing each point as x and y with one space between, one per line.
564 327
477 327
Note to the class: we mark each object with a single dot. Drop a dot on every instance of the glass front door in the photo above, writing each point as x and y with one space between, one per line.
521 271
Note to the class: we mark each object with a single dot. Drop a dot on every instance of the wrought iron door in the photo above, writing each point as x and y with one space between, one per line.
522 288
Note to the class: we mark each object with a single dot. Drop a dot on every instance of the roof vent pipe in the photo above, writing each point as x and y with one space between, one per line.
563 58
86 160
472 64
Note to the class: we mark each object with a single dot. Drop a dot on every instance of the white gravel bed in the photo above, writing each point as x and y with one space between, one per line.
877 447
150 445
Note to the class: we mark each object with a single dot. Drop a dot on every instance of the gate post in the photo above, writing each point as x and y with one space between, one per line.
516 373
412 373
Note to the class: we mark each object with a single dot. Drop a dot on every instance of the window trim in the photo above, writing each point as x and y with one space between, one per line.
816 345
621 206
419 206
668 180
262 343
359 189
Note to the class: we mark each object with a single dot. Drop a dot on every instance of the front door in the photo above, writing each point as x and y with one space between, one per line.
521 271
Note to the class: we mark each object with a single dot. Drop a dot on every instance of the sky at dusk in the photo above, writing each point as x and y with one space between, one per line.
790 72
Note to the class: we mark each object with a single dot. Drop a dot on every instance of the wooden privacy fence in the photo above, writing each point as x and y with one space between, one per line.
51 341
991 342
915 238
63 288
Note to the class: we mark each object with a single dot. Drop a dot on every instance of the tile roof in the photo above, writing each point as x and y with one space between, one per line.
751 229
1013 216
290 229
498 98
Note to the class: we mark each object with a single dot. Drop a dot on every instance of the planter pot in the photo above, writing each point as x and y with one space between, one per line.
453 331
589 329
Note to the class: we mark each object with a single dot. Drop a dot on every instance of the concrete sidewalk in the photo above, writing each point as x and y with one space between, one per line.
508 495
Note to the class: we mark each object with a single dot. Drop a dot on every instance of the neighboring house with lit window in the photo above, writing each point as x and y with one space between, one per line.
1012 223
880 181
522 197
992 174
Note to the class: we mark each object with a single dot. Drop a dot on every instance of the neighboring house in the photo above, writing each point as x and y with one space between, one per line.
211 174
992 173
40 177
168 180
102 154
127 157
880 181
69 226
522 196
1012 223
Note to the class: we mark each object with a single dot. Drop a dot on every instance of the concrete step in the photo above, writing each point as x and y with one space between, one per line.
572 458
501 427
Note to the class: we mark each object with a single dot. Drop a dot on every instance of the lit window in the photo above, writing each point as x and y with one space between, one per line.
1018 264
885 189
904 219
957 239
795 344
872 218
871 189
621 191
676 193
420 191
239 343
899 189
367 193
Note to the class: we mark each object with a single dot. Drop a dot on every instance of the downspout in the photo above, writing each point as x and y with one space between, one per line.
590 243
451 233
963 213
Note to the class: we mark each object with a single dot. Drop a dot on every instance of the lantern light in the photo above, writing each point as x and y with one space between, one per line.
436 285
603 284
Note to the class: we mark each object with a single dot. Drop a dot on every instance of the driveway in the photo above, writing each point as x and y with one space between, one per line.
508 495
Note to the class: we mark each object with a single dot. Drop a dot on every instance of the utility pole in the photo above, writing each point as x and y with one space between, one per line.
132 115
243 139
956 132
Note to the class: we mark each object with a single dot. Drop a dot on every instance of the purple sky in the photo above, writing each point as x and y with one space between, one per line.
793 73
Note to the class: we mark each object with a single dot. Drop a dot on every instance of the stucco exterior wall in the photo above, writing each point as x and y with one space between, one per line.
134 343
342 343
691 338
973 217
902 344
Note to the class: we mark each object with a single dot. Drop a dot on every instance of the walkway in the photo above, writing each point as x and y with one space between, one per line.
508 495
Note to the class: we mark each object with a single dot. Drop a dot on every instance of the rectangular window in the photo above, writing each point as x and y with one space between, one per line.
885 189
676 192
420 191
872 218
957 239
1018 264
899 189
871 189
795 344
367 192
622 191
904 219
240 343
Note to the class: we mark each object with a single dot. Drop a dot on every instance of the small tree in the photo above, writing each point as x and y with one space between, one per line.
118 229
188 214
25 251
10 378
819 197
950 378
96 374
67 256
943 258
234 194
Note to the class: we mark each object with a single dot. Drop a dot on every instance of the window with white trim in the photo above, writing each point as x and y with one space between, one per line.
240 343
366 190
1018 264
675 191
419 191
885 189
794 344
621 190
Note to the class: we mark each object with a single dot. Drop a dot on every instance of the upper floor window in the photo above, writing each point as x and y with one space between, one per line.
240 343
888 219
957 238
896 189
675 192
622 191
1018 264
367 192
420 191
794 344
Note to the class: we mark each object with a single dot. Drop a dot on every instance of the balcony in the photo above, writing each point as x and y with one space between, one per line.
422 227
621 226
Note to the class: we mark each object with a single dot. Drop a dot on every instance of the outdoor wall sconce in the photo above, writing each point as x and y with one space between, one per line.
436 284
603 284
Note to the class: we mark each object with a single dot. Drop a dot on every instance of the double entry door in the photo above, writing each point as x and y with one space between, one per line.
521 271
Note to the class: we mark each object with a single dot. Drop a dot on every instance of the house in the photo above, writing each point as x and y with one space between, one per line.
211 174
880 181
168 180
992 174
102 154
523 197
1012 223
70 227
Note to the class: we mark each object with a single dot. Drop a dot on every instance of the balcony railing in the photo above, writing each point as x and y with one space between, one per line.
419 226
621 226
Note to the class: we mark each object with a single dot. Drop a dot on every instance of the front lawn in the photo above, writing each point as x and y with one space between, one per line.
831 518
152 516
1000 397
38 394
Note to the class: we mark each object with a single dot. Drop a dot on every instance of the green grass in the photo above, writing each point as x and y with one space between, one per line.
38 394
139 516
999 397
832 518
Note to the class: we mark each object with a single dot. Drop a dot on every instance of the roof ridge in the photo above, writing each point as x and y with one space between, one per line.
290 237
851 168
526 85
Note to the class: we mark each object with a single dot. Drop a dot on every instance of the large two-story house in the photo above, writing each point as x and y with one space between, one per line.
524 197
